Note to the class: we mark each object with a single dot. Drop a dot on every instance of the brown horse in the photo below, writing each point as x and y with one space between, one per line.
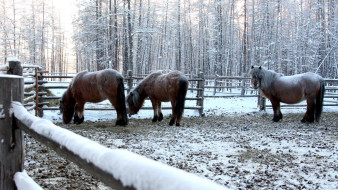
94 87
160 88
290 89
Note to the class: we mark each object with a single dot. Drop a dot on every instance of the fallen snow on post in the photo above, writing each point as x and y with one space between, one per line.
131 169
14 59
24 182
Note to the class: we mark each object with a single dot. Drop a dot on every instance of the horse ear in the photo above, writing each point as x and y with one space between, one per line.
260 67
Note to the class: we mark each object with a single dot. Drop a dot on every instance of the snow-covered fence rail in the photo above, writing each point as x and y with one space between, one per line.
117 168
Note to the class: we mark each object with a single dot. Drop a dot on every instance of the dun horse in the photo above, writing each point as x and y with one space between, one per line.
94 87
160 88
290 89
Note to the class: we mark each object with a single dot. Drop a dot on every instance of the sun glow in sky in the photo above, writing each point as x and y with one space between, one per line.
67 10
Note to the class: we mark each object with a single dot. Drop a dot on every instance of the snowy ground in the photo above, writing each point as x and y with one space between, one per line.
234 145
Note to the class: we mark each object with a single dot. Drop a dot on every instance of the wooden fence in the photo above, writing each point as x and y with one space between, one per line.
203 86
117 168
228 87
43 79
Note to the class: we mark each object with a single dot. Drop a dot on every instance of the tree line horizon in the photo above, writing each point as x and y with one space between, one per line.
223 37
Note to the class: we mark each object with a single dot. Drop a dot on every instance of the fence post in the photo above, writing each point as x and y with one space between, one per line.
11 138
192 83
215 84
130 80
243 85
40 98
14 67
261 101
201 92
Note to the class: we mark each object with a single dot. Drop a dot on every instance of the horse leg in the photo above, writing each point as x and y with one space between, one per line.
160 115
78 116
120 119
155 108
310 111
277 114
173 115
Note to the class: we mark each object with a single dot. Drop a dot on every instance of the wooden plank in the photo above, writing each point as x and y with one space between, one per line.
11 138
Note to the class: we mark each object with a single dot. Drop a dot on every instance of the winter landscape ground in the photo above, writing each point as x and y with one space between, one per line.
233 145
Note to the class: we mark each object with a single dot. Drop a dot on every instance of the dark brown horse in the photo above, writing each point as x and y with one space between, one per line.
94 87
290 89
160 88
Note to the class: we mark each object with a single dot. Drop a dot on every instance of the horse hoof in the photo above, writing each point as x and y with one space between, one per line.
304 120
121 123
155 118
77 123
160 118
275 119
177 124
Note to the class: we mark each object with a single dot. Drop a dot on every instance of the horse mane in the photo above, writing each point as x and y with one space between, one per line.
137 96
266 76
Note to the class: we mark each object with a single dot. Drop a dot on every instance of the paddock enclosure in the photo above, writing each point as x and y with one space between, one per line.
44 90
245 151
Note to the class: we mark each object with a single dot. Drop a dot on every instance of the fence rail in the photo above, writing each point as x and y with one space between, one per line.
219 87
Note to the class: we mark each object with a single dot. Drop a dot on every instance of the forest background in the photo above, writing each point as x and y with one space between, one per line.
223 37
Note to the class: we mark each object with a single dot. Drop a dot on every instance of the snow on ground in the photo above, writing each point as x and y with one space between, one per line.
234 145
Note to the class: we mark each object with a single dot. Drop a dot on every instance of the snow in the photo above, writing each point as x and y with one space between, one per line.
3 67
14 59
24 182
10 76
128 167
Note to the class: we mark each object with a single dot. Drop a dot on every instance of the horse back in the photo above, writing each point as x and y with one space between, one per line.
95 86
293 89
165 87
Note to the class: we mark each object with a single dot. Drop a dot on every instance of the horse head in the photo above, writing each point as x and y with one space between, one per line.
67 105
256 76
133 102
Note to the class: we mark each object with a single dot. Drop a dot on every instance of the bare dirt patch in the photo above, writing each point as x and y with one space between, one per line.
238 151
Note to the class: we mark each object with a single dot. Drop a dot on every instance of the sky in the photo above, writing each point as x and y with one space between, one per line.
67 10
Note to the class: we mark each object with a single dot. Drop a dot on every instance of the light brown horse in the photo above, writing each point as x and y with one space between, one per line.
290 89
94 87
160 88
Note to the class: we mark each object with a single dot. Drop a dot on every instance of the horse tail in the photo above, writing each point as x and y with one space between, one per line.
182 92
319 100
121 101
